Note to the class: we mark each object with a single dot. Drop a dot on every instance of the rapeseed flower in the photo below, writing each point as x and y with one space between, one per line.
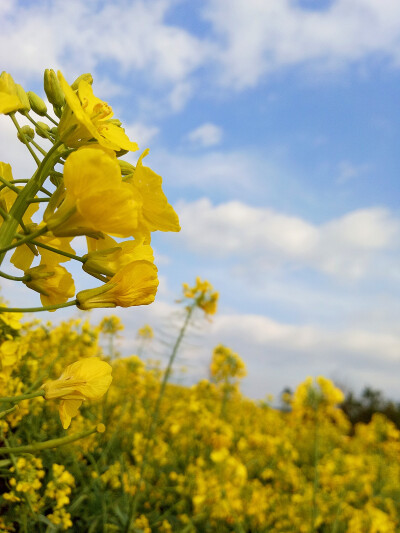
96 199
202 295
9 99
54 283
155 212
107 256
135 284
87 378
86 117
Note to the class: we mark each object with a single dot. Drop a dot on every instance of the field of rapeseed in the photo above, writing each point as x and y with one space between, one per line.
199 458
93 443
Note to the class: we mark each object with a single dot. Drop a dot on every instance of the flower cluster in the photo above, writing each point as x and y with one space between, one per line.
90 191
202 295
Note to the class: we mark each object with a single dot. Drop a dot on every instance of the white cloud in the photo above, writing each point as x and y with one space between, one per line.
207 134
80 36
251 236
247 40
141 133
261 36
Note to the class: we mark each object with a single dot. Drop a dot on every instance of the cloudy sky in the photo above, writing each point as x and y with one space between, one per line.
275 126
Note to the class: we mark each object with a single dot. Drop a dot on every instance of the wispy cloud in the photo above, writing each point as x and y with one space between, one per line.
206 135
342 247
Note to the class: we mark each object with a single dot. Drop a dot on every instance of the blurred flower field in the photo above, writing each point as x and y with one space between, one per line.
207 460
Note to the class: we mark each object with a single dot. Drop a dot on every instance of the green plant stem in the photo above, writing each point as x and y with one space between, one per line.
27 277
51 119
45 132
48 444
8 411
20 397
9 185
38 200
24 139
23 240
38 147
36 309
56 251
9 227
4 214
155 417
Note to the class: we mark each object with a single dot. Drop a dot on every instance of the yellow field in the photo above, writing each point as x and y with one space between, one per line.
200 458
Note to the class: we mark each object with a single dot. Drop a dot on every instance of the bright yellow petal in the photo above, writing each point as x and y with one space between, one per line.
67 410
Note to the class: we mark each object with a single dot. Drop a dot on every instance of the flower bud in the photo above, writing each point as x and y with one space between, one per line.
114 121
54 130
57 111
37 104
41 128
83 77
126 168
53 89
27 132
23 97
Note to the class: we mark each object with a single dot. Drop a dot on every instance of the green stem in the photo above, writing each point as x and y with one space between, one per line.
26 181
24 139
45 132
56 251
52 119
9 226
37 309
20 397
8 411
155 417
38 200
25 239
4 214
9 185
48 444
38 147
27 277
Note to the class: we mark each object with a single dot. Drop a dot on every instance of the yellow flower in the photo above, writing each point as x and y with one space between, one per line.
96 199
9 99
135 284
87 117
202 295
88 378
23 256
107 256
155 213
53 282
8 197
146 332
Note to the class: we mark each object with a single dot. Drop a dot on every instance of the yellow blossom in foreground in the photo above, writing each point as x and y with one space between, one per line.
87 117
96 199
107 256
54 283
9 99
155 213
8 197
135 284
23 256
88 378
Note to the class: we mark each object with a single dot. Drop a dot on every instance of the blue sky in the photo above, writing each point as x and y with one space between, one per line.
275 126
